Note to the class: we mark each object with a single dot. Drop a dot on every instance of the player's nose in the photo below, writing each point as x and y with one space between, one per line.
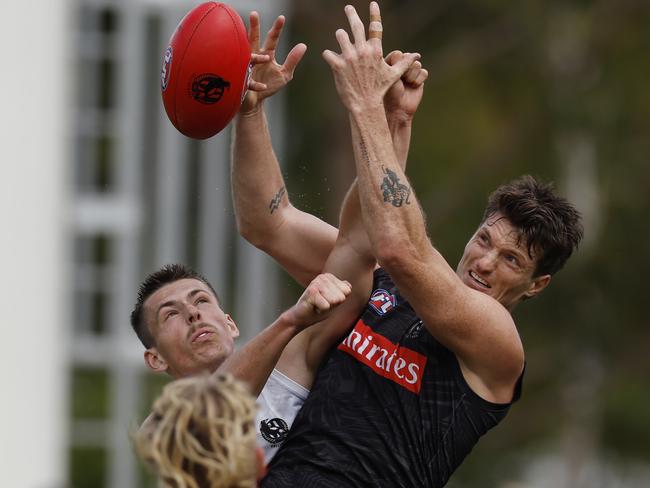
486 263
192 313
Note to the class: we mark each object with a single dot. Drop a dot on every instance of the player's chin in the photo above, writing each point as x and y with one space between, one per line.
216 349
210 360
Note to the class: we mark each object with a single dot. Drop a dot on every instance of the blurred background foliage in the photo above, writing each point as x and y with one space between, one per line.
557 89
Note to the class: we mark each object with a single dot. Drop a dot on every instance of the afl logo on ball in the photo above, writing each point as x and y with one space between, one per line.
274 430
208 88
166 70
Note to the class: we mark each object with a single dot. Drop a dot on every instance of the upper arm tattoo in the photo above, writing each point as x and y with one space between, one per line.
275 202
394 192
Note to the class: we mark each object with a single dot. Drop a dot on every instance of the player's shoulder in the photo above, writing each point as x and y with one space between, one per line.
489 308
498 329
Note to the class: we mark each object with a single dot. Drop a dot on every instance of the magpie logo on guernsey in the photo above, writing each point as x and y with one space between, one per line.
396 363
381 301
274 431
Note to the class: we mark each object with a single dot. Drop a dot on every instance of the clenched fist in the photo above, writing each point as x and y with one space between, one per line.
321 296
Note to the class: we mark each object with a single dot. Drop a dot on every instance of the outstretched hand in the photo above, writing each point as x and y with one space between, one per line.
322 295
268 75
361 74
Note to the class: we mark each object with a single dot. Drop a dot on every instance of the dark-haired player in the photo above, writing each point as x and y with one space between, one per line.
435 360
185 332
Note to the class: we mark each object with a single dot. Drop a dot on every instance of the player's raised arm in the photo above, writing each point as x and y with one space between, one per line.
254 362
478 329
299 241
352 257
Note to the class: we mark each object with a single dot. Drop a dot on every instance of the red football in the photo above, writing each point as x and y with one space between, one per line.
205 70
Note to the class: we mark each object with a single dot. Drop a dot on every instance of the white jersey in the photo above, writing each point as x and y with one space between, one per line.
277 406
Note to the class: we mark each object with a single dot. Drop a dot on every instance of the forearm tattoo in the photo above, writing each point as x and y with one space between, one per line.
275 203
364 151
395 192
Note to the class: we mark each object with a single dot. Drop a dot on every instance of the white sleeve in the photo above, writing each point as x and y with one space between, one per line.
277 406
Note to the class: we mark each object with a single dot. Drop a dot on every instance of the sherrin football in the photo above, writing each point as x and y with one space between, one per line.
205 70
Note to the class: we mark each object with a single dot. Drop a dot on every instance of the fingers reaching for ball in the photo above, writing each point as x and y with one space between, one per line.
273 36
257 58
256 86
268 76
254 31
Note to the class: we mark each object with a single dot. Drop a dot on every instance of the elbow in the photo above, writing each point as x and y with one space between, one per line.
263 233
257 227
248 230
255 235
251 228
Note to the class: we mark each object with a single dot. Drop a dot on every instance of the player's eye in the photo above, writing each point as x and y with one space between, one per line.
512 259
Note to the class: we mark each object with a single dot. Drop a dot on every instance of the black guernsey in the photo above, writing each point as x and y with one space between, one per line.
389 408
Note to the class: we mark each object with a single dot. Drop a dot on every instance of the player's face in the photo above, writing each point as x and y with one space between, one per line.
191 332
496 264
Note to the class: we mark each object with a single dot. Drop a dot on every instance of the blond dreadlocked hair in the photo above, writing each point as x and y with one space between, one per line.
201 434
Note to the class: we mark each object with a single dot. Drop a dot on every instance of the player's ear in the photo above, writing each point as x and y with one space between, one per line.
232 327
537 285
155 361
